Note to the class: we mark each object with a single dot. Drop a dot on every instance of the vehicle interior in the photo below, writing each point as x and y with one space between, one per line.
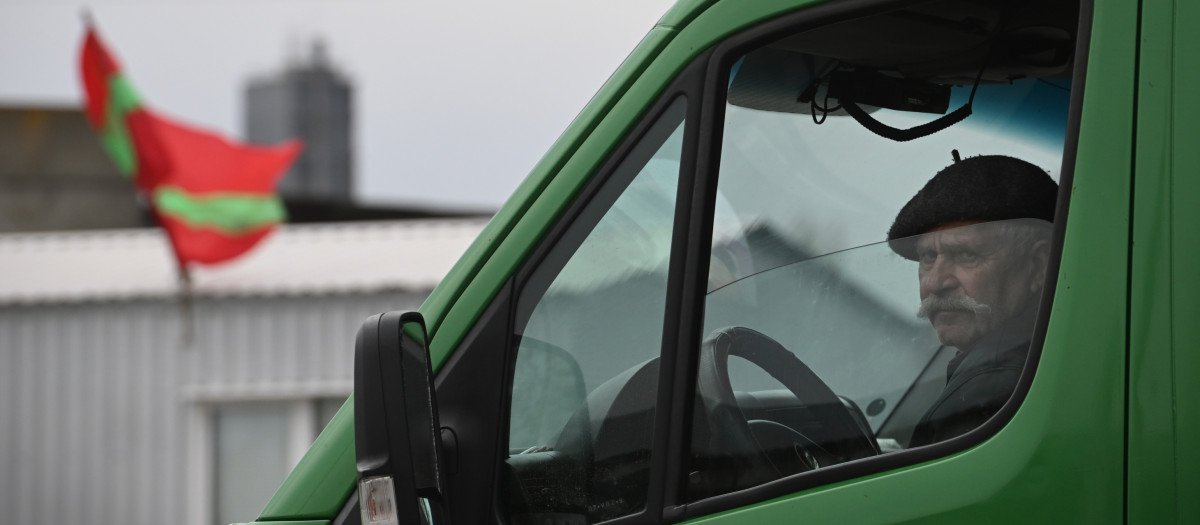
813 355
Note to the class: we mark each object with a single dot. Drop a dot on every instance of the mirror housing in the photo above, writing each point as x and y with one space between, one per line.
396 428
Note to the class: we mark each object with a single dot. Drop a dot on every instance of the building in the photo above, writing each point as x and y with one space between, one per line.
123 402
55 176
311 102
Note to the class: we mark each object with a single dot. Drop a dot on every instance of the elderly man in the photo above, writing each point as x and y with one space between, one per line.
980 232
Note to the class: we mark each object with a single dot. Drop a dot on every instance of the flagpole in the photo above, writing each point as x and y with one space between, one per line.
187 316
186 313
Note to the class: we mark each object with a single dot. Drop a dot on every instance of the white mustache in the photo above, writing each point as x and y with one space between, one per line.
932 304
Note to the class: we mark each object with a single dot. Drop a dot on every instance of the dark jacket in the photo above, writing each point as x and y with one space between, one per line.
979 382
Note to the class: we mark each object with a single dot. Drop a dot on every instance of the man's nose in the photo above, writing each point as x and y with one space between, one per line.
939 277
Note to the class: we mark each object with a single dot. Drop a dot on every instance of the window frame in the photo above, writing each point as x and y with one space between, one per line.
721 61
301 412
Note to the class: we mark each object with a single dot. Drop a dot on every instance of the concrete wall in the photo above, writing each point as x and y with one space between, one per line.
54 175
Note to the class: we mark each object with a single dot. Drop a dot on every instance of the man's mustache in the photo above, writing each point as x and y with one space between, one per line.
932 304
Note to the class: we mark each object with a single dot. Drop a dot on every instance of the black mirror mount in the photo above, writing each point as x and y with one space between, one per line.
397 432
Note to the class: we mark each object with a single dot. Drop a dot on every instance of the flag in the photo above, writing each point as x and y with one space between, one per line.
214 197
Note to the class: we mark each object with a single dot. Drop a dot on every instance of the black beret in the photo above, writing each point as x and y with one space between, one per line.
983 188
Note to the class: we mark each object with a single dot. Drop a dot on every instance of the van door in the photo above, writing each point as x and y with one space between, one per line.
809 193
1162 411
751 207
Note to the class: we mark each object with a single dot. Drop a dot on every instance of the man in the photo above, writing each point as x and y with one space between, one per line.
980 232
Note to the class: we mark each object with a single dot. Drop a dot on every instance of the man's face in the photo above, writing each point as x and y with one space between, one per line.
971 282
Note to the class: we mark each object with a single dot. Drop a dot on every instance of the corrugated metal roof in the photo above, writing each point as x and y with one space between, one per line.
296 259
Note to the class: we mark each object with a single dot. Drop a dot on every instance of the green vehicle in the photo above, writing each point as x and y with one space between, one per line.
700 305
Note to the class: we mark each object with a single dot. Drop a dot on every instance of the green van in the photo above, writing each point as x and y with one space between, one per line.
701 306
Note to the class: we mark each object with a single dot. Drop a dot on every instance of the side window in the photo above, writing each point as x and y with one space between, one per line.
588 332
873 289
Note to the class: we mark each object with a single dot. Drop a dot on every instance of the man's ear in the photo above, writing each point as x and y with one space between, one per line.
1039 258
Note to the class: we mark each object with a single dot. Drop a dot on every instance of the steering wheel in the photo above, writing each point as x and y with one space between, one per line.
751 452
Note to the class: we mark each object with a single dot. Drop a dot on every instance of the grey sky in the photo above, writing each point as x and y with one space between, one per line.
455 100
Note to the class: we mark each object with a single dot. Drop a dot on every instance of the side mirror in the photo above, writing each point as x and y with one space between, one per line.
396 428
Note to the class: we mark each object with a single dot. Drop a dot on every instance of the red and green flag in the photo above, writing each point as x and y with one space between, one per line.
214 197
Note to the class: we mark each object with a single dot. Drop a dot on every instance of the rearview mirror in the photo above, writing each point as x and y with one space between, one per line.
396 428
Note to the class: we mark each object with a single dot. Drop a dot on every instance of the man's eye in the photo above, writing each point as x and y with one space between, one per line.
928 258
966 257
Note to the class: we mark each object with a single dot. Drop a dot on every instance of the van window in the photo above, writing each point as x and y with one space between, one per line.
817 348
589 328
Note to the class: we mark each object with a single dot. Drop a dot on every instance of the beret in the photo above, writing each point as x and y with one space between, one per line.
978 189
